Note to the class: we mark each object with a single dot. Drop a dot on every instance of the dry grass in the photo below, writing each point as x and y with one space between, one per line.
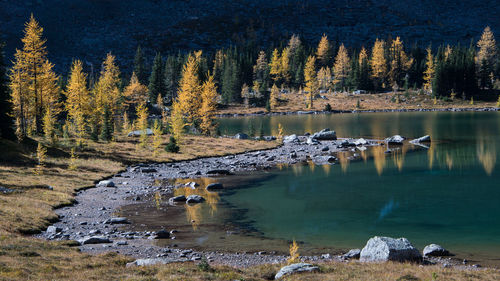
342 101
31 209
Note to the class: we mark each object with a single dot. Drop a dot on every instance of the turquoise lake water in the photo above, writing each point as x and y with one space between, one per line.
448 194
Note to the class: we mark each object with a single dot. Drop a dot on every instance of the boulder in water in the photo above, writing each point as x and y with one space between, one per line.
396 139
194 199
325 134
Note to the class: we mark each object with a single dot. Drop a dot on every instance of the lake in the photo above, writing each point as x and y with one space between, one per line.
448 193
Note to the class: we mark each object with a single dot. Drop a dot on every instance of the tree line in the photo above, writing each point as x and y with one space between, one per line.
194 84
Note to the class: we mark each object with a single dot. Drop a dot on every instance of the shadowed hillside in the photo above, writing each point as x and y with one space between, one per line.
93 27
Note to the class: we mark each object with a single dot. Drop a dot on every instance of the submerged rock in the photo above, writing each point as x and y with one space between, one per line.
325 134
295 268
219 172
379 249
425 138
396 139
214 186
180 198
435 251
194 199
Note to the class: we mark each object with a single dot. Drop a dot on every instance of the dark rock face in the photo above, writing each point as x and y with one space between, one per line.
435 250
380 249
162 234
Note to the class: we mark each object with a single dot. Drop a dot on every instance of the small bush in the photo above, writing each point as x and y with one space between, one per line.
203 265
294 253
328 108
172 146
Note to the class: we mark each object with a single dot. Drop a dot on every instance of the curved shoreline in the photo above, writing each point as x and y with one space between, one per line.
448 109
92 215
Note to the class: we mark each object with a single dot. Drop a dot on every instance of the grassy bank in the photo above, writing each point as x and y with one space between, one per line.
293 102
31 208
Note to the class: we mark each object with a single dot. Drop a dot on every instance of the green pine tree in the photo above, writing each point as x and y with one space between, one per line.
156 80
107 125
140 67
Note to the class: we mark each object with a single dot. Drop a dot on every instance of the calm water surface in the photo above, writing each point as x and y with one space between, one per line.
447 194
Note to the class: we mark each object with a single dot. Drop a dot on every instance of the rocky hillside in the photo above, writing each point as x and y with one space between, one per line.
87 29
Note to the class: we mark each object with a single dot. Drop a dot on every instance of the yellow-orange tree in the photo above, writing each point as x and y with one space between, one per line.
310 80
107 92
273 97
323 51
33 82
342 67
429 71
208 106
378 63
188 96
400 63
78 100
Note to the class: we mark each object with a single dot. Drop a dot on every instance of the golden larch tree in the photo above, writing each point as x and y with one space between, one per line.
342 66
107 89
400 62
487 48
323 51
78 100
363 55
275 66
135 93
20 95
429 71
188 97
273 97
325 78
378 61
208 107
311 83
285 65
142 123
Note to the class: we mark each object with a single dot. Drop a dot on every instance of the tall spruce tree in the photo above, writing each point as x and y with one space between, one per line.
156 80
172 72
140 66
6 122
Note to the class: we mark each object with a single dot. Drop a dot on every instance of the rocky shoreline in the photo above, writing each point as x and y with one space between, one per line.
453 109
93 221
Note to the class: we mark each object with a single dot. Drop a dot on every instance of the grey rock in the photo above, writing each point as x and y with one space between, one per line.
379 249
241 136
325 134
94 240
326 256
396 139
312 141
120 220
352 254
194 199
295 268
122 243
325 148
106 183
180 198
214 186
146 262
6 190
148 170
360 141
138 133
291 139
435 251
53 229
